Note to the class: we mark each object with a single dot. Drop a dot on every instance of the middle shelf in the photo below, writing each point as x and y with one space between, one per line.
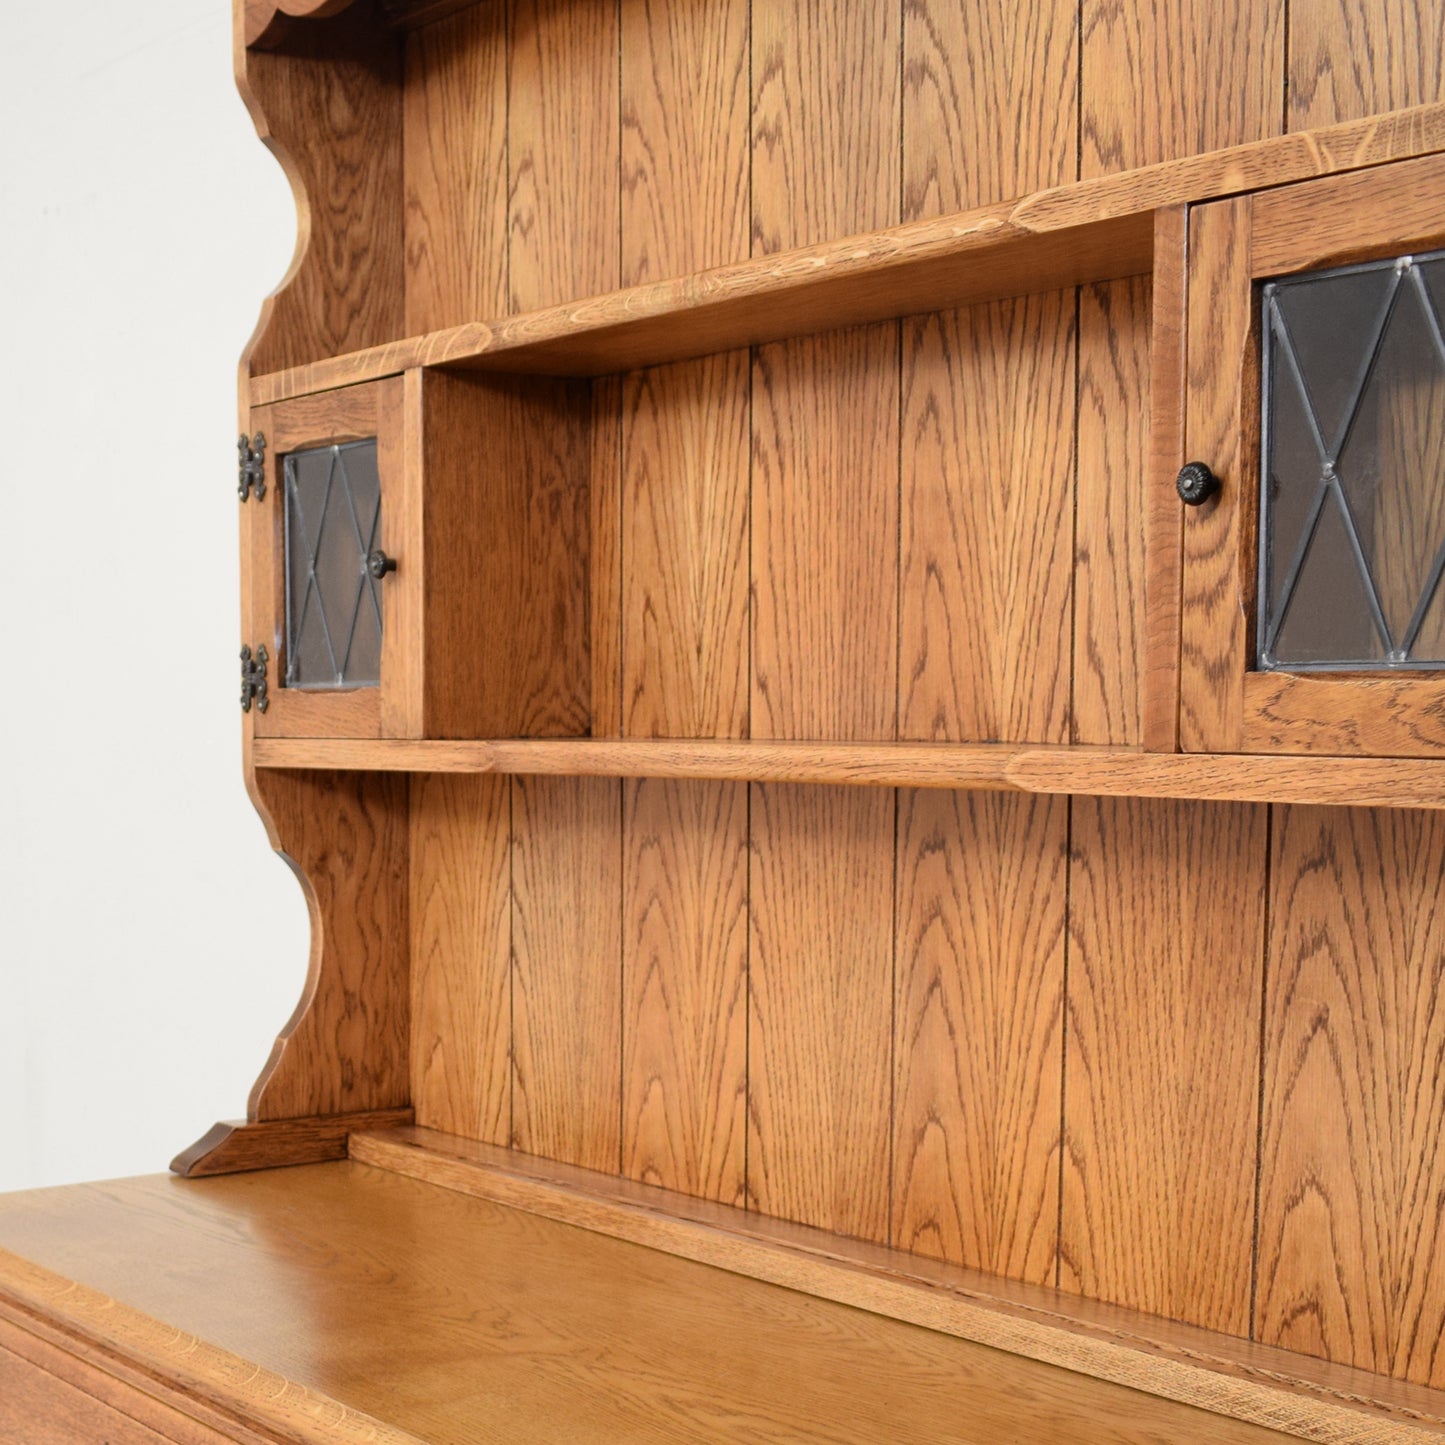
1101 771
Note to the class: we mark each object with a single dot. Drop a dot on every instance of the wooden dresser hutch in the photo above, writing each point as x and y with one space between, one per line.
844 631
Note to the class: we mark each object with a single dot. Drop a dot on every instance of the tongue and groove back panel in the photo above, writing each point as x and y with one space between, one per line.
1165 1054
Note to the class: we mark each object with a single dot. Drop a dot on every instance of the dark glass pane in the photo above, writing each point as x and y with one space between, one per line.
1328 618
333 606
1292 476
1331 336
1353 464
1433 274
1393 465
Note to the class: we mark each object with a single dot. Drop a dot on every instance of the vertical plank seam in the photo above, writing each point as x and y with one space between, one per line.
1064 1036
615 405
511 965
748 998
617 725
508 42
1284 75
1072 730
752 659
1263 1038
751 679
893 1059
898 486
621 968
1079 90
893 1032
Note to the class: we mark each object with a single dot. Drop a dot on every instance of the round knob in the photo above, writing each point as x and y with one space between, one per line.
379 564
1196 484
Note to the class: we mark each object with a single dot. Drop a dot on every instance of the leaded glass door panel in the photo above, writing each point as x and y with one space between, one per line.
1314 582
331 591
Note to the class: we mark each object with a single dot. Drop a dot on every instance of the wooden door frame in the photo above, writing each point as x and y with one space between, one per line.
1234 245
373 409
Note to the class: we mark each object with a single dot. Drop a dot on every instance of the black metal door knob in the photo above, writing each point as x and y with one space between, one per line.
379 564
1196 484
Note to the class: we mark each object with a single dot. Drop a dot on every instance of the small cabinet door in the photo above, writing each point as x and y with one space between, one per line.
331 587
1313 607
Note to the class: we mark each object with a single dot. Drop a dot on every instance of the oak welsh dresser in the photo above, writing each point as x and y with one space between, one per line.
843 626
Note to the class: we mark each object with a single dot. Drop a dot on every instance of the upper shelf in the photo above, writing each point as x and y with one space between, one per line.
1095 230
998 767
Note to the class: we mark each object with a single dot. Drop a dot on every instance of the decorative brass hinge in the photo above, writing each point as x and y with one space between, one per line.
253 466
253 679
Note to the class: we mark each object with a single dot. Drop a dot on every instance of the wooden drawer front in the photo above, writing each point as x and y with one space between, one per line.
48 1397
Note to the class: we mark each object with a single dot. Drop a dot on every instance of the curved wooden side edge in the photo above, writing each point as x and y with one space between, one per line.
329 110
345 1049
264 21
232 1148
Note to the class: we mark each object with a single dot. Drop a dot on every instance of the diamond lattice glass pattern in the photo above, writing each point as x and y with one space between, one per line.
1352 533
333 604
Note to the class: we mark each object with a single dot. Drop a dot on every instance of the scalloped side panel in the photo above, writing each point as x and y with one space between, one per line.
328 104
345 1048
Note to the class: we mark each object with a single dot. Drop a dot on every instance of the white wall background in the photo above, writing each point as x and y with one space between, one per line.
151 945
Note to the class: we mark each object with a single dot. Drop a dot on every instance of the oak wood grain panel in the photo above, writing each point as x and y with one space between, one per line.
989 102
826 128
508 473
824 537
562 120
455 144
978 1030
986 492
685 196
1351 1219
1351 58
1111 528
1219 564
685 549
496 1323
331 111
819 1002
604 555
1161 81
1163 522
684 986
567 969
1166 962
461 965
1096 230
826 120
685 136
987 522
345 1048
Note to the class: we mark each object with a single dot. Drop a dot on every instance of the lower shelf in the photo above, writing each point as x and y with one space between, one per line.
1105 772
342 1303
1304 1398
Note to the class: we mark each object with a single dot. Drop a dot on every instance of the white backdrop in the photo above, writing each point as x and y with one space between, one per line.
141 222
